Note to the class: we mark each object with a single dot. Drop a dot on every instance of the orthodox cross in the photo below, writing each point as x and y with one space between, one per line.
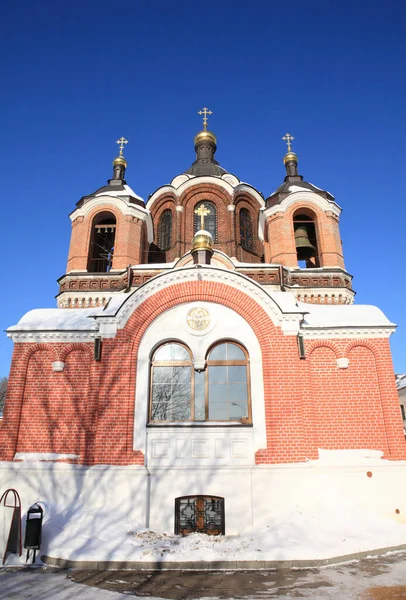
202 211
288 138
121 143
205 111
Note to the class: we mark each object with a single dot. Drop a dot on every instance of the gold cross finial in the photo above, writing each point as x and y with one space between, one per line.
288 138
202 211
121 143
205 111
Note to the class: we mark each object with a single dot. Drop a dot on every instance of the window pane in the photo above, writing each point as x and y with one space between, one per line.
163 353
217 375
217 393
171 393
182 376
237 374
237 392
238 410
218 411
234 352
162 375
181 403
218 353
179 352
161 402
172 352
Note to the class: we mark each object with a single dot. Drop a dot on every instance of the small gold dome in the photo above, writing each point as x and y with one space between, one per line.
204 136
120 160
202 240
290 157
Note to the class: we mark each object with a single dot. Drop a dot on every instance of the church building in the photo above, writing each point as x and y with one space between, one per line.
205 366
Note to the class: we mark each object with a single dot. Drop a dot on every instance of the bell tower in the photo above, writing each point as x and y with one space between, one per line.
111 229
302 233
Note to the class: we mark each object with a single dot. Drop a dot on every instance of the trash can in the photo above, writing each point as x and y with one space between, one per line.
33 530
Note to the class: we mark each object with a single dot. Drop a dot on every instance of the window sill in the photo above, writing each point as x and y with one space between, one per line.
200 424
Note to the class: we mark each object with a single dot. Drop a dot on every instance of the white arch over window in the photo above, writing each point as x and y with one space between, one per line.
172 325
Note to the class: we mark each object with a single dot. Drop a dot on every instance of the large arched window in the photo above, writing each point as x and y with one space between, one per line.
171 384
102 239
246 236
210 220
165 230
219 393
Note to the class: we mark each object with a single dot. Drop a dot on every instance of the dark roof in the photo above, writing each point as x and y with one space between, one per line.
206 167
284 190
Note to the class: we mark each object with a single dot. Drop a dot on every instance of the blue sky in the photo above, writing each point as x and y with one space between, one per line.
78 75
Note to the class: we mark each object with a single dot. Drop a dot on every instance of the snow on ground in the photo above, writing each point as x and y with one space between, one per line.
99 535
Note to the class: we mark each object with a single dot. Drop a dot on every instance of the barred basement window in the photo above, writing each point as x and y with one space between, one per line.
219 393
246 236
210 220
201 514
165 230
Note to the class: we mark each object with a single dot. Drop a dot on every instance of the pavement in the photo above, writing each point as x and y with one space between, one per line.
382 578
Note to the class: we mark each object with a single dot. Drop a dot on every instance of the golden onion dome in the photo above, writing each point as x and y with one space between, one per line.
290 157
120 160
202 240
205 136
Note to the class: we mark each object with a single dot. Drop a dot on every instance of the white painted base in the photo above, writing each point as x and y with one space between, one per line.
254 496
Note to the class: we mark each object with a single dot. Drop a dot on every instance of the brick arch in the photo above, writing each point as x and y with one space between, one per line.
181 293
366 343
324 344
75 346
32 349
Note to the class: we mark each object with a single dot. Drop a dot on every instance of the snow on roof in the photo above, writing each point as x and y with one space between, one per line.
401 381
348 315
126 192
298 188
51 319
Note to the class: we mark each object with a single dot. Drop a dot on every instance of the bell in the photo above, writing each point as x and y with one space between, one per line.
304 248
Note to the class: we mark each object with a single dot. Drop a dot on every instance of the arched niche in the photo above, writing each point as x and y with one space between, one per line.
102 242
306 238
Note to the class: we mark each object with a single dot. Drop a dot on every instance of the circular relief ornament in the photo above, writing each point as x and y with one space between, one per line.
198 318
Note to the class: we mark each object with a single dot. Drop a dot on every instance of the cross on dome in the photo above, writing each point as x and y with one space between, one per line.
121 143
288 138
205 111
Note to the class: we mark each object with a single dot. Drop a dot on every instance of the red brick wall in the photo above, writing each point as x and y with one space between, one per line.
89 407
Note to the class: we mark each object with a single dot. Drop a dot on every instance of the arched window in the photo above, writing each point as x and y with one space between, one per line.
246 236
165 230
101 250
210 220
227 382
219 393
171 384
306 241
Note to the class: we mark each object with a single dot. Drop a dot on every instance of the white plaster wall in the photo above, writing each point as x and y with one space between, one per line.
254 496
172 325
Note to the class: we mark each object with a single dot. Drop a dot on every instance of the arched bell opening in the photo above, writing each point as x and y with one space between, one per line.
102 239
307 248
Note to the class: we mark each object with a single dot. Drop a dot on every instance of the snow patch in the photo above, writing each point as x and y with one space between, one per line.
41 456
